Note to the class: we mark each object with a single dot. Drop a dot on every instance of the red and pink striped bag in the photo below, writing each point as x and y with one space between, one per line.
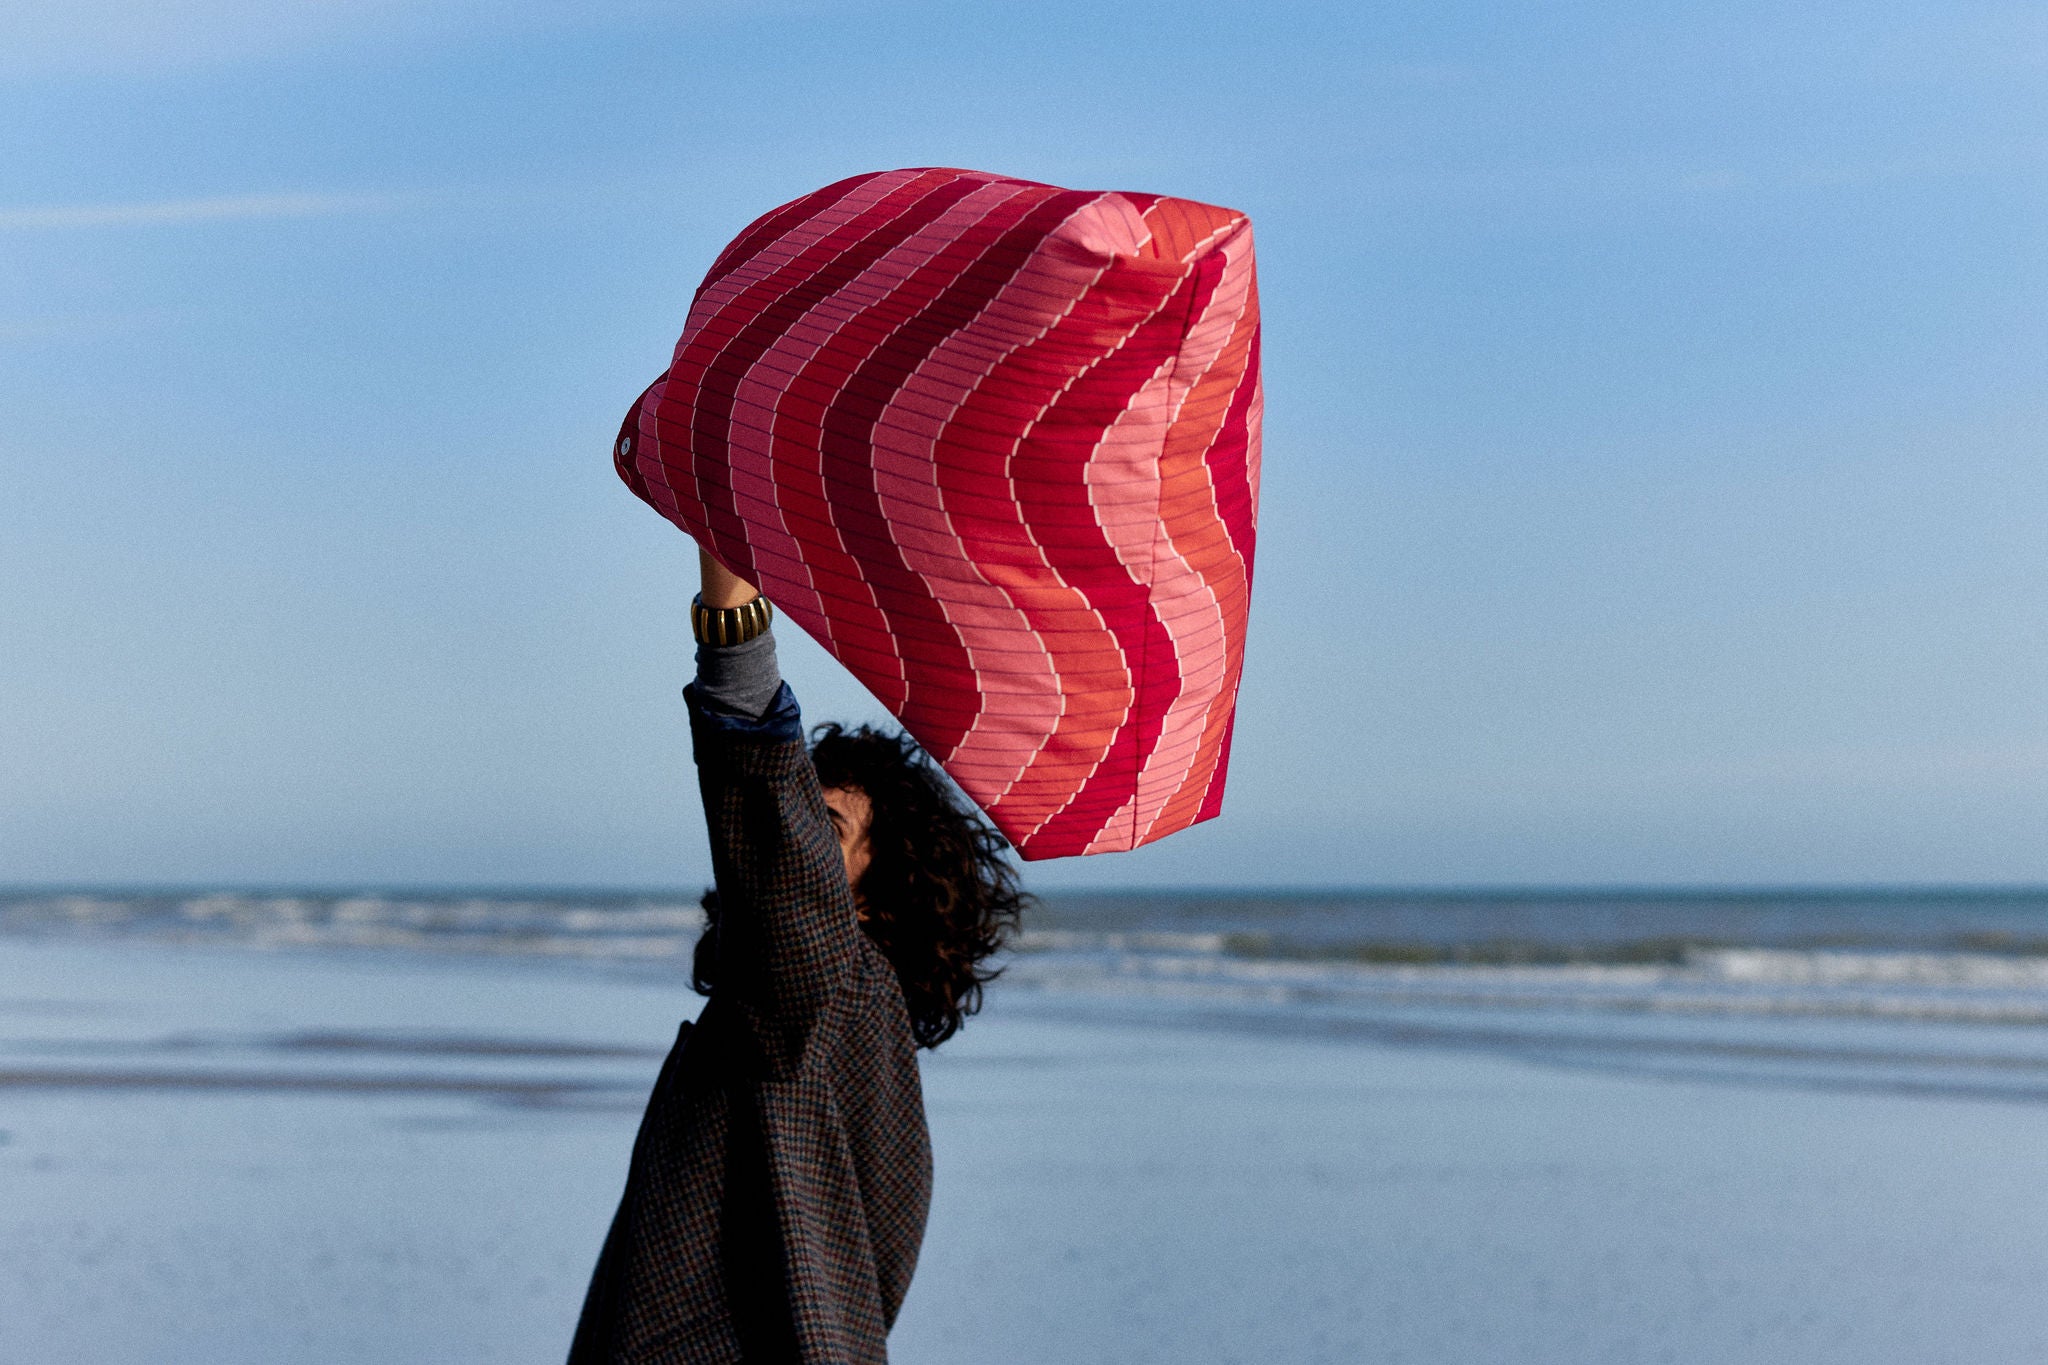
995 445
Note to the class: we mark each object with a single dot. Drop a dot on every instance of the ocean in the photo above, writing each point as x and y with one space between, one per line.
1942 990
1960 955
387 1125
1432 928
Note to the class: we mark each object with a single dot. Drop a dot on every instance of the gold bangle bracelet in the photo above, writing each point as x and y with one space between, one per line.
729 625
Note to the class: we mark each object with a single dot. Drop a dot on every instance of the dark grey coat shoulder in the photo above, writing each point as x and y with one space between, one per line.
781 1178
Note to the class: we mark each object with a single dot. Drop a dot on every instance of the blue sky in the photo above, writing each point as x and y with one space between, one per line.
1655 486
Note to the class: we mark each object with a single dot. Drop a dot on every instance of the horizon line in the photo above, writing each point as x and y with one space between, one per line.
1425 890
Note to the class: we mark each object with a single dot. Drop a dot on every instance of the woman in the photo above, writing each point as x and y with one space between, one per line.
779 1185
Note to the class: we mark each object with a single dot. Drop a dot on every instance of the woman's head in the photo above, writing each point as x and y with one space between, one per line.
937 892
932 880
852 814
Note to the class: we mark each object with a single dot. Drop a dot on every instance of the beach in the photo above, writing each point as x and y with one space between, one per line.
222 1153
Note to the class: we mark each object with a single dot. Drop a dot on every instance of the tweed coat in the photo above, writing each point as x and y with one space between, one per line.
782 1174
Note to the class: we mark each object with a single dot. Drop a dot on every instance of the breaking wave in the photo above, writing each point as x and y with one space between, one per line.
1911 960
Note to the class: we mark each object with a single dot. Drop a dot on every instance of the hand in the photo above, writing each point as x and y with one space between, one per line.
723 587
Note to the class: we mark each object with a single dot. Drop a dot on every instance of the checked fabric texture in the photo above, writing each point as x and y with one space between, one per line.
995 445
782 1175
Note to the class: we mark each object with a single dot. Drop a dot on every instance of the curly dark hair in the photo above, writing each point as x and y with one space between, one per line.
940 895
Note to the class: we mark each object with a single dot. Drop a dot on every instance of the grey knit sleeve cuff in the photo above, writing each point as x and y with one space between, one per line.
741 679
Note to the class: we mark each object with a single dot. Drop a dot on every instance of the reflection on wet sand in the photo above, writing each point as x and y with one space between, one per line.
178 1050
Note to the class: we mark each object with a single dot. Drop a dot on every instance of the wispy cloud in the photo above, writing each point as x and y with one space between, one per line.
139 37
214 209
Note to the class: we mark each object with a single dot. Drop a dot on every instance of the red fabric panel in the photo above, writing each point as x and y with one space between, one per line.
995 445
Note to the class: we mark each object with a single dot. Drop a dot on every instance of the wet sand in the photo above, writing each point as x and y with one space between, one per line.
224 1157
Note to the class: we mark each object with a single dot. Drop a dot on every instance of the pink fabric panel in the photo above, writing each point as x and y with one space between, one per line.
995 445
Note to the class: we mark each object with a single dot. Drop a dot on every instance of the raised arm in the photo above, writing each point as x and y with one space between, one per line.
787 925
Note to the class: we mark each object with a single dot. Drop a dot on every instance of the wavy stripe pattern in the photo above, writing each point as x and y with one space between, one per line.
995 445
